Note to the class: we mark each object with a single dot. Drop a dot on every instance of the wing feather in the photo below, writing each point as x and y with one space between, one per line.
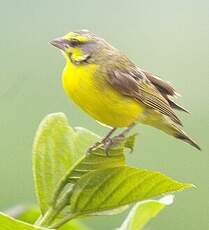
135 84
154 99
166 90
163 86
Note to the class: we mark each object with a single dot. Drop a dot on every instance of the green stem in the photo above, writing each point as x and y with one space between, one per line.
54 211
59 189
63 182
46 219
63 221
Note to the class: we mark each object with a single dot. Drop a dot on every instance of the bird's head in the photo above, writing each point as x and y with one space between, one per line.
79 47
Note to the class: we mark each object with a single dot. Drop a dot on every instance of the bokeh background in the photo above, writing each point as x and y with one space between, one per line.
169 38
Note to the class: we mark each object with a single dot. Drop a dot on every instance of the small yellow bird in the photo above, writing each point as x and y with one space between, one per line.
108 86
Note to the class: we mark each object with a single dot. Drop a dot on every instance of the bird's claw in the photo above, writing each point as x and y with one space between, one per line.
107 144
94 147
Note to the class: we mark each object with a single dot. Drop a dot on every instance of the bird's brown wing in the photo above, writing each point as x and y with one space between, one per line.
165 89
135 84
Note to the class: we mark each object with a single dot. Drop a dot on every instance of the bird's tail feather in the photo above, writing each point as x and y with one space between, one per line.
180 134
163 123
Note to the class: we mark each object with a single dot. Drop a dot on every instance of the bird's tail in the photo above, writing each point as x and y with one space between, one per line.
163 123
180 134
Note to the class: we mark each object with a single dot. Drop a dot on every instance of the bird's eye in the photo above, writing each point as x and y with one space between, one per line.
74 42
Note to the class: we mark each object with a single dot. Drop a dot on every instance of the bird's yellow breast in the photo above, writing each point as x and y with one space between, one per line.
95 96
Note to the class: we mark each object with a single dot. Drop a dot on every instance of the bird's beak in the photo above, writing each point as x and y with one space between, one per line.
60 43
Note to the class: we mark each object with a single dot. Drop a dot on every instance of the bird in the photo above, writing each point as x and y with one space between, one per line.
115 91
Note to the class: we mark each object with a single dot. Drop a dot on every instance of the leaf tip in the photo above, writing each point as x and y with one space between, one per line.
187 186
192 186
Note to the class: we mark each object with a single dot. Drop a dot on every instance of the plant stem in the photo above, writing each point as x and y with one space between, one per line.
61 186
63 182
46 219
62 221
54 211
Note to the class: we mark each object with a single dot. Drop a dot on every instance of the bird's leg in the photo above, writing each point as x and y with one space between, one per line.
116 139
126 131
105 140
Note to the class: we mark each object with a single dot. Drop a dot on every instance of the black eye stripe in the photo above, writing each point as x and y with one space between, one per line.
74 42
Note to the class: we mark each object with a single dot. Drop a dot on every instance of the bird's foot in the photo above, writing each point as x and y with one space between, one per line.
94 146
114 141
106 143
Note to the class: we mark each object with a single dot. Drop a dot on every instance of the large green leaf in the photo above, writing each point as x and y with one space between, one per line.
111 188
56 148
97 160
8 223
143 211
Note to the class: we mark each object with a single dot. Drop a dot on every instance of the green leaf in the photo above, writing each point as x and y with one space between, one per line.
143 211
97 160
56 148
8 223
111 188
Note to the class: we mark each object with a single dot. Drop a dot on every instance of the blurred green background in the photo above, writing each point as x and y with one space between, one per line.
169 38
